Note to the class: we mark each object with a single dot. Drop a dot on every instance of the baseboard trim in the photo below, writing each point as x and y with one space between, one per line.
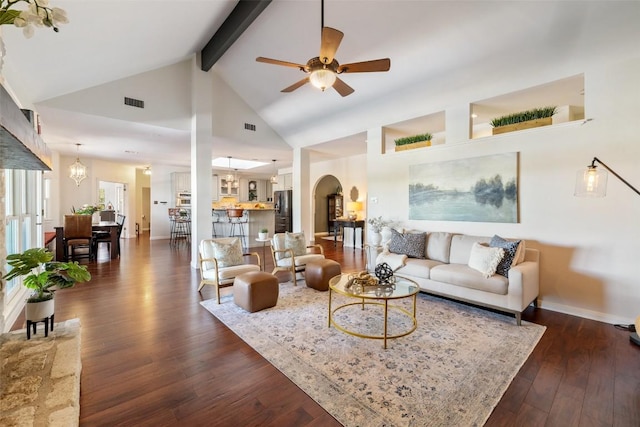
586 314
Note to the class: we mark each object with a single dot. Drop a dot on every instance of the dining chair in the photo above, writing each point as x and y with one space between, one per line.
78 237
291 253
222 260
105 236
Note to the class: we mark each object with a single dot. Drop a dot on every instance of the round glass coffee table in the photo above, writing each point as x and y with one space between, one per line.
375 296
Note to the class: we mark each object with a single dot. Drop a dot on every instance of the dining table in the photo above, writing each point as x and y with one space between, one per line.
109 226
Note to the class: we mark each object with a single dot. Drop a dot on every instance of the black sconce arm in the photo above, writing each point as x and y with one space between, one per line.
593 165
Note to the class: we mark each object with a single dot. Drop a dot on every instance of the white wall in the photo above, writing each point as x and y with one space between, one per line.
71 195
162 198
350 171
589 247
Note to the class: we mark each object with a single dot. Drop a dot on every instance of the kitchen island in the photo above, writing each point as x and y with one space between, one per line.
257 219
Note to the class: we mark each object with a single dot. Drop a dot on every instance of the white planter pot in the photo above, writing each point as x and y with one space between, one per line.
263 236
37 311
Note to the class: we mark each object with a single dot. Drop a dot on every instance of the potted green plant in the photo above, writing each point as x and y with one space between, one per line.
523 120
414 141
263 234
44 277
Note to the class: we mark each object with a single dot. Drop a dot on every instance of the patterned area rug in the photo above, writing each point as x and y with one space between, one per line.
40 377
452 370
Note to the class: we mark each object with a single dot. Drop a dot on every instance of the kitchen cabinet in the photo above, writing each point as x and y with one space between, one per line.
288 181
181 182
285 182
243 190
226 189
214 188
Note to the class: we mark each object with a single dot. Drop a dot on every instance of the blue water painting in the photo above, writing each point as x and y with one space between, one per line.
478 189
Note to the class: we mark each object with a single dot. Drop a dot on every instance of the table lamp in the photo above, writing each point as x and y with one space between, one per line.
593 183
353 208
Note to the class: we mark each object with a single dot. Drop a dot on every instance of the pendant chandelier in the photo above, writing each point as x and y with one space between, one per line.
77 171
235 183
229 176
274 177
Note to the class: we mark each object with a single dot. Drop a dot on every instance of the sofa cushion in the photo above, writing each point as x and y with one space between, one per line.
410 244
465 276
228 252
510 254
485 259
418 267
296 242
438 246
461 245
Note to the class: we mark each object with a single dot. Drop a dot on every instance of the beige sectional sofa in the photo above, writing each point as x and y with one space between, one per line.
445 269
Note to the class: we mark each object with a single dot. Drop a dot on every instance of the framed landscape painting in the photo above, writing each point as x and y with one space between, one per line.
477 189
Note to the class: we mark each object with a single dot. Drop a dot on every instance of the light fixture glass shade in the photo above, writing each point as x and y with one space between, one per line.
229 176
147 171
274 177
322 78
591 182
77 172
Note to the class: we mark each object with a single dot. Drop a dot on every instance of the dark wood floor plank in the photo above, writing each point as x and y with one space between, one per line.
153 356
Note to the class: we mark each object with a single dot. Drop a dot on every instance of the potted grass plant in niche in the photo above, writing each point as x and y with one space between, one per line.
43 276
415 141
535 117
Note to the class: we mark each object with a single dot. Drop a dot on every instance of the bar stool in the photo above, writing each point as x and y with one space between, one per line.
238 218
215 219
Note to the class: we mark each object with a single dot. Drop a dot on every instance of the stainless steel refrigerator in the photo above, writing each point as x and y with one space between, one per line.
282 205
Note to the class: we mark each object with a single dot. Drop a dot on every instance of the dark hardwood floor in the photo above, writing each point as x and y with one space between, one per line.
152 356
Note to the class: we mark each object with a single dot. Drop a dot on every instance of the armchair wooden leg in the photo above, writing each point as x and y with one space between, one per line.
201 285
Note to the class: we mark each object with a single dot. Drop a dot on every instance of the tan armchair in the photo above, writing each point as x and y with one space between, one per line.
291 253
222 260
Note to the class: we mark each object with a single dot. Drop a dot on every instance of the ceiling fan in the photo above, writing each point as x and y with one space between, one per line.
322 71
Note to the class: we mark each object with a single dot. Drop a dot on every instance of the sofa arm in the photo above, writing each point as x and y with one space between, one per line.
524 284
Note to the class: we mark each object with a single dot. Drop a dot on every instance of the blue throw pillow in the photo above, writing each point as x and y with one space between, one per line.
510 249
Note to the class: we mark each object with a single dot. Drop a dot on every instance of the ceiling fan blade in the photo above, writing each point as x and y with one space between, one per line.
342 88
278 62
331 39
296 85
366 66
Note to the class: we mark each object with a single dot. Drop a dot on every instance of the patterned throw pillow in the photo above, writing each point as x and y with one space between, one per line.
510 252
296 242
409 244
485 259
227 253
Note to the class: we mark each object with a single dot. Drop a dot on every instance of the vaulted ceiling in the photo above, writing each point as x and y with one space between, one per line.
76 79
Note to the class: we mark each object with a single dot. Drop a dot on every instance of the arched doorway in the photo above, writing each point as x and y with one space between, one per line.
327 187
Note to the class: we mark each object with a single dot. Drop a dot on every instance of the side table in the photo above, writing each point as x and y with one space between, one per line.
264 242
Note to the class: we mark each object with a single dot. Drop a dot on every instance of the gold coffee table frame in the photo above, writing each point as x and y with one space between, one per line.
404 288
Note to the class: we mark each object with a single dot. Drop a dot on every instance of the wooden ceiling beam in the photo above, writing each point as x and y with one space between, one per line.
238 20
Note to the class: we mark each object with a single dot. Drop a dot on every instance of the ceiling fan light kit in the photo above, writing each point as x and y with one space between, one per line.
322 71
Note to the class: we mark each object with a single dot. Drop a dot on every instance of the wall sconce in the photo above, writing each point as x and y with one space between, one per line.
77 171
593 183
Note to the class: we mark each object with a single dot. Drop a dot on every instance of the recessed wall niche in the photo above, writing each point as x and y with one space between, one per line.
566 94
430 123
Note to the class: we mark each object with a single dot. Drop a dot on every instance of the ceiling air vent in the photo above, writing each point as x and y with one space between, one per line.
133 102
249 126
